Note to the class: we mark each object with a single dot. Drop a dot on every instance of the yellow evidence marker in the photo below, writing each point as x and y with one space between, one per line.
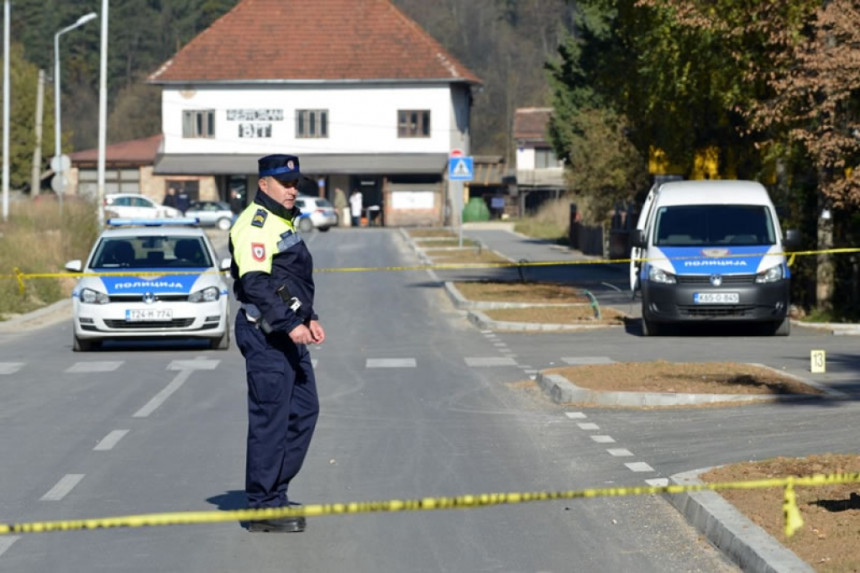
817 361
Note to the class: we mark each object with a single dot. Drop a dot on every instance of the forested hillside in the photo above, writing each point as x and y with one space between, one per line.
505 42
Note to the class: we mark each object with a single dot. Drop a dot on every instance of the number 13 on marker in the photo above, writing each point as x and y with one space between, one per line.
817 361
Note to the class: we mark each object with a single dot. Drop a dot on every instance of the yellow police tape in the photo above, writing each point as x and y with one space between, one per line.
21 276
793 519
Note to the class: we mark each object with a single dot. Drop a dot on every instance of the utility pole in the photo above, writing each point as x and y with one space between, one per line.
36 180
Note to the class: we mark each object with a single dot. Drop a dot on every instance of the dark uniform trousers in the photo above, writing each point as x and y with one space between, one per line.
282 411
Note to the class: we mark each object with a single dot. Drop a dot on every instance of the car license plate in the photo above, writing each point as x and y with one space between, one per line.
716 298
148 315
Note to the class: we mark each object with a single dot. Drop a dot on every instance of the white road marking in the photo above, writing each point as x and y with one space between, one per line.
314 362
603 439
193 364
499 344
63 487
109 441
657 482
575 415
481 361
391 363
10 368
619 452
582 360
7 541
159 398
639 467
588 426
102 366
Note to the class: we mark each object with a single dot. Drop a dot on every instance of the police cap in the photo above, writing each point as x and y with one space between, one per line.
281 167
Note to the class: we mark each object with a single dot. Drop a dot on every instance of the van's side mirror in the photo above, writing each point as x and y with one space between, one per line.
639 238
792 240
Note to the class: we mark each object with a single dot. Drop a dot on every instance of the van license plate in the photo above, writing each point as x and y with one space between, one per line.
148 315
716 298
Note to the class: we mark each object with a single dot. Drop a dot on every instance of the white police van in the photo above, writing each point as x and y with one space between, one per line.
151 279
711 251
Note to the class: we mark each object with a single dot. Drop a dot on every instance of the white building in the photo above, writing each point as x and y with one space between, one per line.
357 90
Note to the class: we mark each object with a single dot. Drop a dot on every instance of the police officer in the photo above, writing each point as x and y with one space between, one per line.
273 273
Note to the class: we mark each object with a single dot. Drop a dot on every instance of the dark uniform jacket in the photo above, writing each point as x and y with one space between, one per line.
268 254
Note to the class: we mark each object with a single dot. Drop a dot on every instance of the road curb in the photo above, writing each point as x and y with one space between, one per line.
563 391
741 540
484 322
21 319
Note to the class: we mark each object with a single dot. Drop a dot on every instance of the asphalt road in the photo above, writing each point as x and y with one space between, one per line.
415 402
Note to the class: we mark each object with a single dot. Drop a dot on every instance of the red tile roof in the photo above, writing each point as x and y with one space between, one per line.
530 123
305 40
133 152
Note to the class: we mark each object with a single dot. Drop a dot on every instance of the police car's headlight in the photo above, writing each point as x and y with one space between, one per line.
771 275
91 296
660 276
209 294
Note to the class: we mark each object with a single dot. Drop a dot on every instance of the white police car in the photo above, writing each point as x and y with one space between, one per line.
151 278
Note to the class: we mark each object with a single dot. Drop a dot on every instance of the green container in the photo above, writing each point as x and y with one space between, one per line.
476 210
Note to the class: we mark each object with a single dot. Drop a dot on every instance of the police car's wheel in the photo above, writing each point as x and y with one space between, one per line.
224 223
306 226
222 343
79 345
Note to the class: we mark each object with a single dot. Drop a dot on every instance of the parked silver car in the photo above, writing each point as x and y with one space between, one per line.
211 214
317 213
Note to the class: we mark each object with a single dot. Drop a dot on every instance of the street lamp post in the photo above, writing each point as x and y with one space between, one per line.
58 165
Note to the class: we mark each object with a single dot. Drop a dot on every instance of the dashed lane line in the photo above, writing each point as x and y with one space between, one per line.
619 452
391 363
66 484
600 439
484 361
109 441
10 367
95 366
6 542
639 467
160 398
588 426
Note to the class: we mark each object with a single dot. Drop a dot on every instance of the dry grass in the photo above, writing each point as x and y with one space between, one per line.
463 256
520 292
37 238
685 377
829 540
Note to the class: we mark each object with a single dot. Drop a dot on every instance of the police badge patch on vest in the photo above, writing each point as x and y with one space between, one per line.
258 251
259 218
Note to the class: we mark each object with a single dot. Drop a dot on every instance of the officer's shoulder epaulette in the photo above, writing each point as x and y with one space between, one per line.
259 218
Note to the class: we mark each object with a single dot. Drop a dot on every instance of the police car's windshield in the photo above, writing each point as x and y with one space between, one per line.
148 251
695 225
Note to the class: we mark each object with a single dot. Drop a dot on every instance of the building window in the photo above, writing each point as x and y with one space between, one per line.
413 123
546 159
198 123
311 123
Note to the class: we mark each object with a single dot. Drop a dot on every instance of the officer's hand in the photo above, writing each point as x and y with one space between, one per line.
317 332
301 335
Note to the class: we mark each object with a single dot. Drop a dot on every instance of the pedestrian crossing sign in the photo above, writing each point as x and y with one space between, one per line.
461 169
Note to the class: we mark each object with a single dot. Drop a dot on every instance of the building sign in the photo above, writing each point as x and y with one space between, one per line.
255 115
255 123
413 200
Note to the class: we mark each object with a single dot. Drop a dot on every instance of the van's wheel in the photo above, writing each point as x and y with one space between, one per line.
782 328
222 343
305 225
80 345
